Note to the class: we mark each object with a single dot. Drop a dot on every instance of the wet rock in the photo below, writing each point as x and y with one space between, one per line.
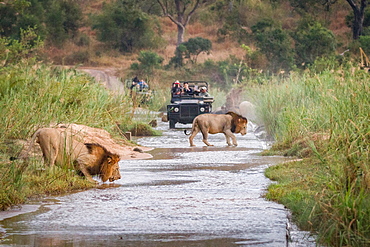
153 123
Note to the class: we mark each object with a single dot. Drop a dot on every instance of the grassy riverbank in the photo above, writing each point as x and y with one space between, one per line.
33 96
323 117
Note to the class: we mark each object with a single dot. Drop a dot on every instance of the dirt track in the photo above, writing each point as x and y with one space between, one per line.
105 77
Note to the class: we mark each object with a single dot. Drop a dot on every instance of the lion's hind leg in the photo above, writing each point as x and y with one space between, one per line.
191 137
195 130
49 151
205 131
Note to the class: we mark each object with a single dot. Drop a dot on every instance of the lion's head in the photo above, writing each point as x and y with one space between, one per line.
238 123
108 162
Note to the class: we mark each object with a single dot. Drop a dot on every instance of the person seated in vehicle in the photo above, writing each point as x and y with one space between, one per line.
187 90
143 85
176 89
135 81
203 92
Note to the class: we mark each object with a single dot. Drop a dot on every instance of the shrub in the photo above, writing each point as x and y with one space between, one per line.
312 41
365 43
81 56
13 51
195 46
190 50
125 27
149 61
275 43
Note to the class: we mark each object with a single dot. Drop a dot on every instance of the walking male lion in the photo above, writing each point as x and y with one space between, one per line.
228 124
60 146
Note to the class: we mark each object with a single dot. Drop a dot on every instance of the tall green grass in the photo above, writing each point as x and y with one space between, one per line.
329 114
37 95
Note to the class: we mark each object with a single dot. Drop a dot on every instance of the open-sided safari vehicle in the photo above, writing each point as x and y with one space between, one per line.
140 91
184 106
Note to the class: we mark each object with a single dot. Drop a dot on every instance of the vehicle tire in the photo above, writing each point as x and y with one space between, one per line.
172 124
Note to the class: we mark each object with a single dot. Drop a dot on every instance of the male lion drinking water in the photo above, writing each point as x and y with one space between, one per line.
60 146
228 124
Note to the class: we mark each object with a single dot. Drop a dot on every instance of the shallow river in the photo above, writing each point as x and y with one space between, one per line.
183 196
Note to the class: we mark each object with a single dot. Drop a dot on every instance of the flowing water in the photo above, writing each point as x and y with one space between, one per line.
183 196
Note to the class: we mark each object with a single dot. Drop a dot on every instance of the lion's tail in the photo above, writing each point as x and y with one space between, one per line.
195 123
25 155
186 133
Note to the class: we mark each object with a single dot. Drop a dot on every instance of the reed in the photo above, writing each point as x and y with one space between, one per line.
329 114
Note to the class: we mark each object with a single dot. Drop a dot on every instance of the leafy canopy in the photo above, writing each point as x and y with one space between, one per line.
124 27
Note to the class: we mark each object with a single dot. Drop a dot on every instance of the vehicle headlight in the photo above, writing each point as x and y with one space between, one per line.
202 109
176 109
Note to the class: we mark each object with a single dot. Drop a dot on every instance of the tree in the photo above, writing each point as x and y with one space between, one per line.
179 12
195 46
190 50
125 27
275 43
149 61
358 8
312 40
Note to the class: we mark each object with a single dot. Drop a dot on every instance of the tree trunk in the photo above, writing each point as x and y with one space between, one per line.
182 12
358 21
180 34
357 25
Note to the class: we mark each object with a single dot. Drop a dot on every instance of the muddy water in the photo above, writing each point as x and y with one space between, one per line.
199 196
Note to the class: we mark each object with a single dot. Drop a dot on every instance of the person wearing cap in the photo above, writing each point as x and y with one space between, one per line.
203 92
176 88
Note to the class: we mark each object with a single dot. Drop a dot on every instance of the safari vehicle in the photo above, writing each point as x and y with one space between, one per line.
139 93
185 107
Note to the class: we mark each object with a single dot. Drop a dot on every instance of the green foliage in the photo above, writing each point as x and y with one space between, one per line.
50 95
195 46
63 20
178 60
79 57
231 18
55 21
312 40
365 43
126 28
366 24
327 112
14 51
311 6
58 95
190 50
149 61
275 43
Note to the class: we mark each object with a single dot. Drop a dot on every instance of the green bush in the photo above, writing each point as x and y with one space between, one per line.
149 61
126 28
313 41
54 21
195 46
275 44
365 43
79 57
26 48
